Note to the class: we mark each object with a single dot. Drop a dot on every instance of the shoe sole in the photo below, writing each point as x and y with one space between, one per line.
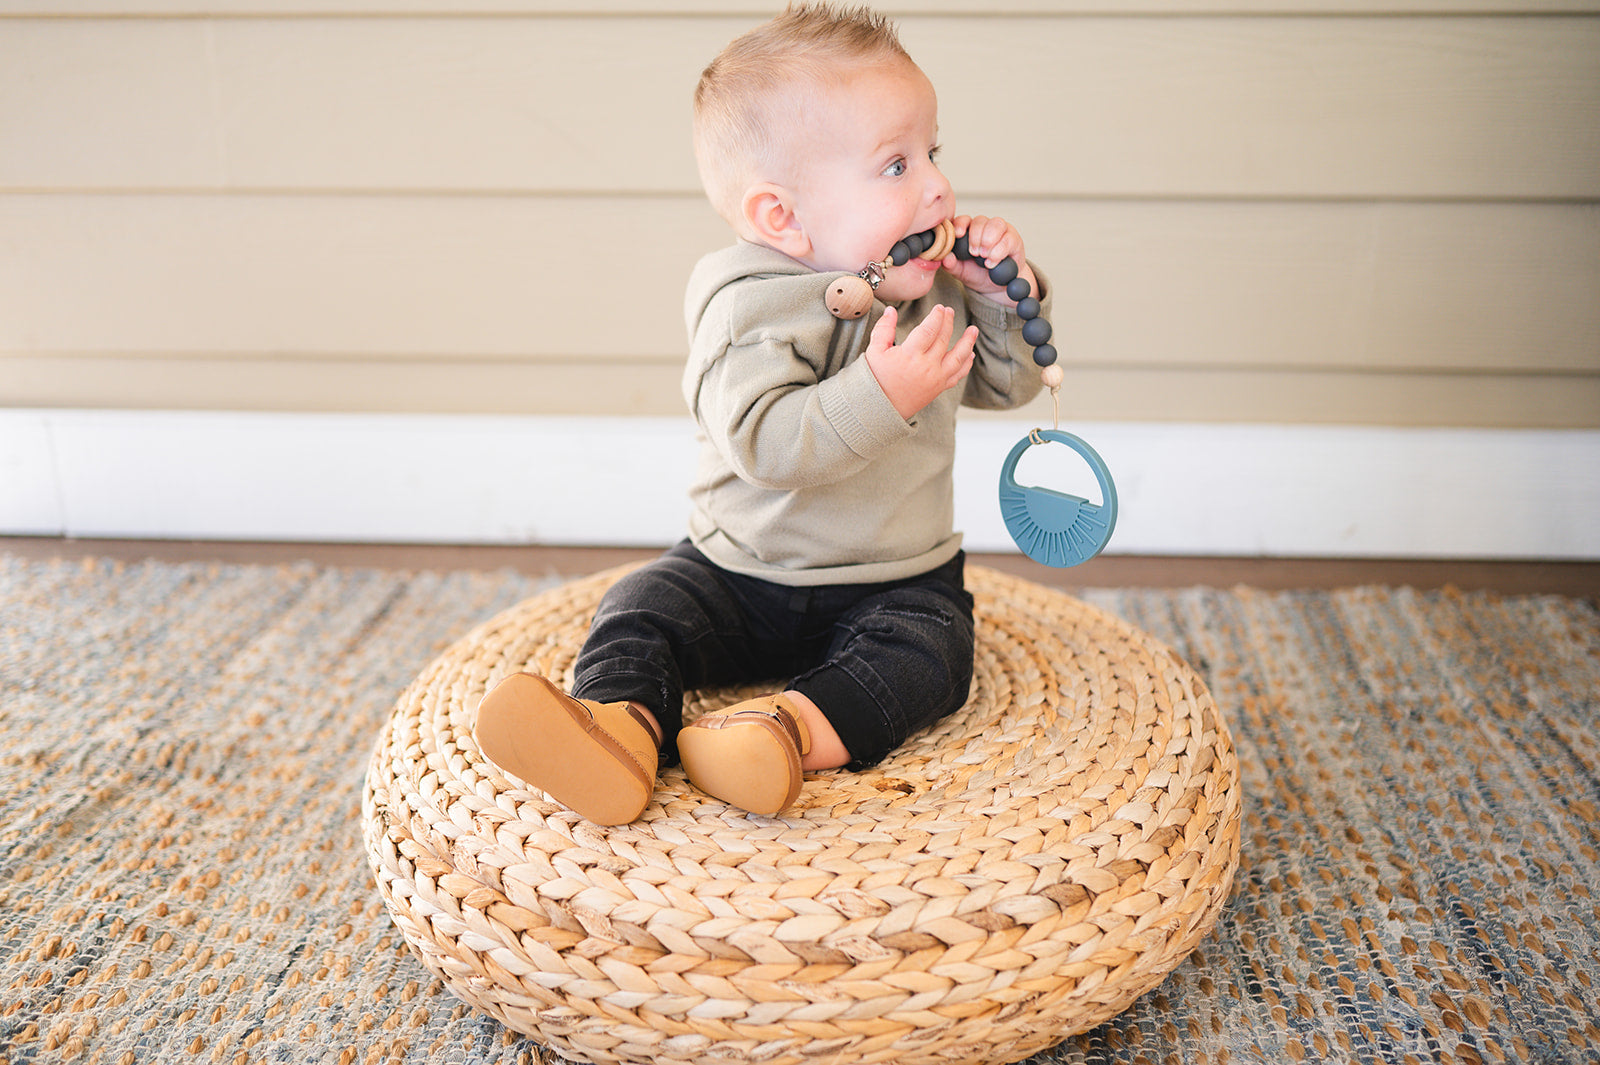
752 765
534 731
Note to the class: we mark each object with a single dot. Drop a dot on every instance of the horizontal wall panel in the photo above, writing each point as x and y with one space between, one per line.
424 385
1274 107
1398 286
385 277
119 103
1092 393
1484 288
1163 107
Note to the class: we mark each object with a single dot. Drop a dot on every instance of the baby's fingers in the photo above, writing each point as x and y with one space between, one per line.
932 334
960 356
882 335
966 345
992 239
957 362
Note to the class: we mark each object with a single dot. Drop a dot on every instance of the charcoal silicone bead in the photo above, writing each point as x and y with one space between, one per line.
915 243
1002 272
1028 307
1036 331
1044 354
961 250
900 254
1018 289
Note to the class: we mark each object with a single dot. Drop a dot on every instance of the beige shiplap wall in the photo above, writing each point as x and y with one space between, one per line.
1323 211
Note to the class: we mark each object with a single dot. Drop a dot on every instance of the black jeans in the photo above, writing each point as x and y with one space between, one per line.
880 660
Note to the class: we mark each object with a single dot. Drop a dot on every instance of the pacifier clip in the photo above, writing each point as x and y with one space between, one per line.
1051 527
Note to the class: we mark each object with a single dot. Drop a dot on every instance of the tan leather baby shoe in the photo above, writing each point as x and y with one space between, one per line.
596 759
748 755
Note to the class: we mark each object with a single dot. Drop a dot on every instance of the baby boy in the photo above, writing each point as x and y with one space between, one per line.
820 546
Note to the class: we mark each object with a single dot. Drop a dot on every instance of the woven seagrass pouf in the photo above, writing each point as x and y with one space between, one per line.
1019 873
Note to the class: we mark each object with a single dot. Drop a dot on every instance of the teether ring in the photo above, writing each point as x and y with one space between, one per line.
944 241
1057 528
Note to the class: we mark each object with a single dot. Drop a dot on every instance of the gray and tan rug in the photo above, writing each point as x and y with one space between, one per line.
182 876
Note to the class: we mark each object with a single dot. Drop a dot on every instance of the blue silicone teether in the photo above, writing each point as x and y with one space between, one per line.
1051 527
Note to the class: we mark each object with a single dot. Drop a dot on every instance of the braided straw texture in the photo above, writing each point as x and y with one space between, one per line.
1019 873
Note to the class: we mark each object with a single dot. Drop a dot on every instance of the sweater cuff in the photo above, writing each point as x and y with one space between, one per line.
854 404
992 317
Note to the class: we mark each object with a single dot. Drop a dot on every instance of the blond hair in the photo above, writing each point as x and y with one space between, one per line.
739 117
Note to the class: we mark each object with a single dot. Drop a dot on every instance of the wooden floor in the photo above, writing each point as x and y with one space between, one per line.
1577 579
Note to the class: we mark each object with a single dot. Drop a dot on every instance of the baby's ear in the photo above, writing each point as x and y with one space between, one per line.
770 219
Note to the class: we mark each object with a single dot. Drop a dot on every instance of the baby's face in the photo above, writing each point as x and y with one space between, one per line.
867 177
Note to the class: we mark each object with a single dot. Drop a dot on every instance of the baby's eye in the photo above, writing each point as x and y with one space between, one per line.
933 153
895 169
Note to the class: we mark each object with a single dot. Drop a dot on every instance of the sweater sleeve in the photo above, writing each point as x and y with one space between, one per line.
779 426
1003 374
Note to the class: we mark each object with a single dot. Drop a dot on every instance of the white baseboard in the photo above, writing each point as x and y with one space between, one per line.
1237 490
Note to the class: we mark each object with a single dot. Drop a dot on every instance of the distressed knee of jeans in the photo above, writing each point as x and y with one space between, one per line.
921 613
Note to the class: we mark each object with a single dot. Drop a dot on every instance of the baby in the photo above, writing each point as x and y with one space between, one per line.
820 546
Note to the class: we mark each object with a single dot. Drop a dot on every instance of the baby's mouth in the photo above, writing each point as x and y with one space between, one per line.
929 246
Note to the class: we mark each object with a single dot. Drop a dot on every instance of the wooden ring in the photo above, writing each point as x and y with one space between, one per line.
944 240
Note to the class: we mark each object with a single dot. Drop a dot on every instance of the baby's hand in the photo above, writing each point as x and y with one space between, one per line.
913 373
990 240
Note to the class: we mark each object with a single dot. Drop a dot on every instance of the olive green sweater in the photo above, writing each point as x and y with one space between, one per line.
807 474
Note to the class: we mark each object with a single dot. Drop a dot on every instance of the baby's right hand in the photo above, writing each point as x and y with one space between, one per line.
913 373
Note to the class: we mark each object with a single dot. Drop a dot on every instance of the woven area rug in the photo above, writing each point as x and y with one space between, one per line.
182 878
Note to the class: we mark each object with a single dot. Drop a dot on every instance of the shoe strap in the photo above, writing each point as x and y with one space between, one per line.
778 710
643 722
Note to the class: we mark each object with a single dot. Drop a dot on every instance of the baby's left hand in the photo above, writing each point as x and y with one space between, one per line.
990 239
